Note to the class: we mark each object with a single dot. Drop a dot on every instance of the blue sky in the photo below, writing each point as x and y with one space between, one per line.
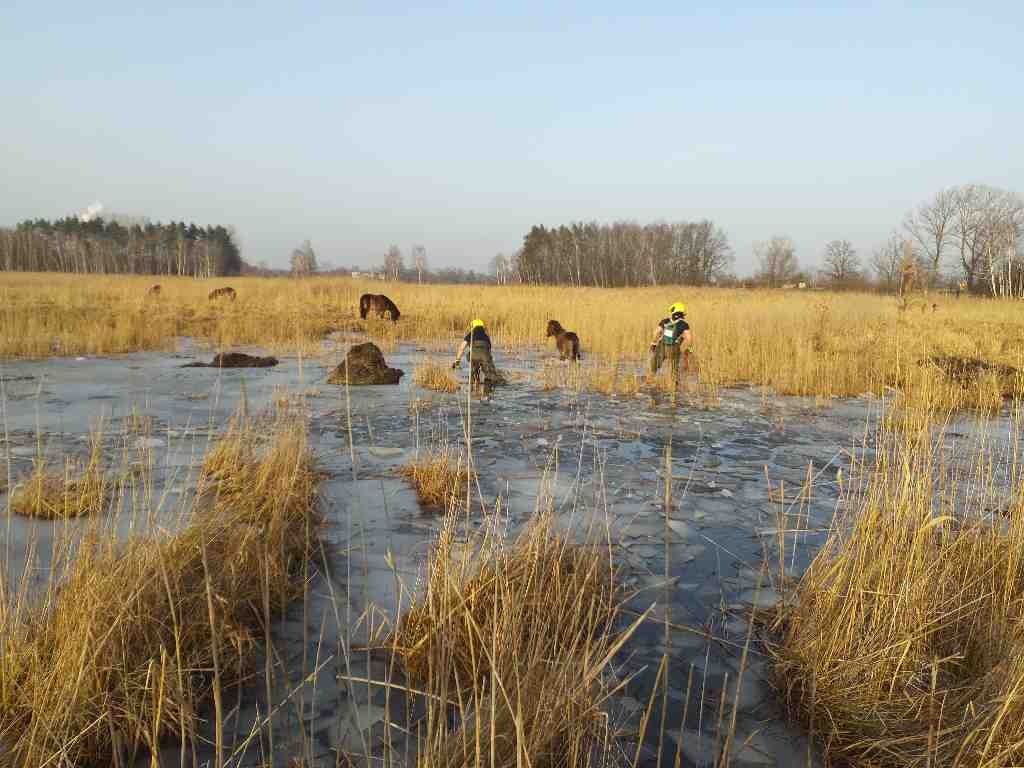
460 125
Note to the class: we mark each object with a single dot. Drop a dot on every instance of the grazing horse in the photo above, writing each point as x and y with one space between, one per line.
154 290
222 293
379 304
568 343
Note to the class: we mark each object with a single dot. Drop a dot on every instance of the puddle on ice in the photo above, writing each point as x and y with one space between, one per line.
610 466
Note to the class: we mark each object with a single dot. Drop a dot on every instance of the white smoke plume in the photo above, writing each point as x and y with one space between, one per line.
91 212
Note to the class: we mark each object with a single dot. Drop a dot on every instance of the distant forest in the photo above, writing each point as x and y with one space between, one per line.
104 247
624 254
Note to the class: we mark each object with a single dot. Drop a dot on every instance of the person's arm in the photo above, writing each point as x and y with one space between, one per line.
687 338
458 354
657 336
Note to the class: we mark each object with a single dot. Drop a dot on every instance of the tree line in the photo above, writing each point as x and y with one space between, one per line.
623 253
96 246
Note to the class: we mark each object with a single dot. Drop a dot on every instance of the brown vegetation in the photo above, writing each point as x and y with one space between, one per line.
139 634
75 492
439 476
903 643
518 696
431 374
364 364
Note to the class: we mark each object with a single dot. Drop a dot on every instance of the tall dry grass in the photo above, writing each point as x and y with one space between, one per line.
797 342
137 635
77 491
439 476
903 644
498 692
431 374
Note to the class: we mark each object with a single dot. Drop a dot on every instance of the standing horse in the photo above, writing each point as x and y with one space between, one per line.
222 293
568 343
379 304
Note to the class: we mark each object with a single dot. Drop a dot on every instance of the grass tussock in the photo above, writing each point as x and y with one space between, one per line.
76 492
501 692
440 477
904 642
430 374
139 634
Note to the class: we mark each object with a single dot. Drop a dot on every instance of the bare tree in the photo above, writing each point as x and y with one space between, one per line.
777 263
986 228
303 261
419 260
931 228
393 263
499 267
885 262
842 264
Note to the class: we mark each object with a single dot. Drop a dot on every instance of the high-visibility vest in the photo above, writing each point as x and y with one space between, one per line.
672 332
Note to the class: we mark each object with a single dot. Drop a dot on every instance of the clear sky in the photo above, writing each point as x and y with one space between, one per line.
460 125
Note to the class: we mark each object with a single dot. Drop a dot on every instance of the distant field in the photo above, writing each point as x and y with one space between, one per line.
802 343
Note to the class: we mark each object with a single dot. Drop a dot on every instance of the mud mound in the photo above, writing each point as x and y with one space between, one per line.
967 370
364 364
236 360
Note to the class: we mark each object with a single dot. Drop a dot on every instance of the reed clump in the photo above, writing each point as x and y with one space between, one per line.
431 374
139 634
76 492
440 477
510 642
903 644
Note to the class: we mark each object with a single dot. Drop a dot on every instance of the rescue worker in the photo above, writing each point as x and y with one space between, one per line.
671 341
482 372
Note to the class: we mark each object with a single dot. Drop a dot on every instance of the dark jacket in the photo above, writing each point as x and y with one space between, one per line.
478 336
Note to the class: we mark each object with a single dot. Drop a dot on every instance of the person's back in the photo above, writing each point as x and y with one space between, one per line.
478 336
673 329
672 336
478 344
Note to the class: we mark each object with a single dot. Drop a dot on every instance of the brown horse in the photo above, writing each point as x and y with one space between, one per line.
568 343
379 304
222 293
154 290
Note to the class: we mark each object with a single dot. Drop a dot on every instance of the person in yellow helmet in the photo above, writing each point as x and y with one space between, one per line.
483 373
671 341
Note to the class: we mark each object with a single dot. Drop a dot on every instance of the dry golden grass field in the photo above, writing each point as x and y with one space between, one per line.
901 645
934 348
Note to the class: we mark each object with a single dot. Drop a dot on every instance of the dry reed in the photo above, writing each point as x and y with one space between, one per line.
501 691
440 477
904 642
140 633
76 492
431 374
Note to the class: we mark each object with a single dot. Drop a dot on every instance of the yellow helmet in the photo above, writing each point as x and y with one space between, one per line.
677 307
478 323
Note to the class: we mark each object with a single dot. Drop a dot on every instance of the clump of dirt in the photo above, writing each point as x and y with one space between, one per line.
967 370
236 360
364 364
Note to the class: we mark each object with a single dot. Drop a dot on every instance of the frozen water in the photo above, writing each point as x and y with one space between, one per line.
593 457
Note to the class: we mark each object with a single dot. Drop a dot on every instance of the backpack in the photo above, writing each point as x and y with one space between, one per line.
672 332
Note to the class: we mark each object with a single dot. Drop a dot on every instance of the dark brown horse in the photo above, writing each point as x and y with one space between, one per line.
154 290
379 304
568 343
223 293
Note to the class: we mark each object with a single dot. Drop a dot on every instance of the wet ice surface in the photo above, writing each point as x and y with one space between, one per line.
701 565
